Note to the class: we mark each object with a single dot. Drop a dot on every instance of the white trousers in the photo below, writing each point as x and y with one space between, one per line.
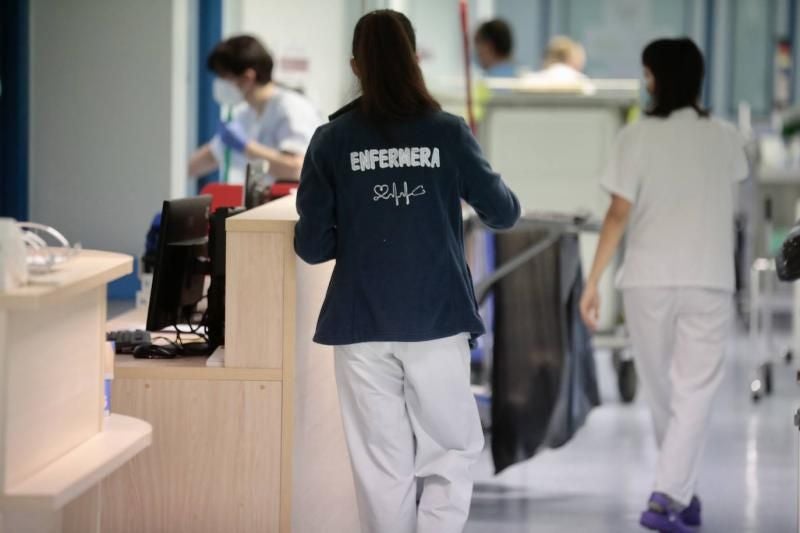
678 336
409 413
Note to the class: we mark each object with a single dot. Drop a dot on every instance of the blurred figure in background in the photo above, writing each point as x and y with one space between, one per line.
564 60
269 123
672 179
494 46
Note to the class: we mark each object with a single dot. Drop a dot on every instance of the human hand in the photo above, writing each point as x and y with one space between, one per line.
590 306
232 135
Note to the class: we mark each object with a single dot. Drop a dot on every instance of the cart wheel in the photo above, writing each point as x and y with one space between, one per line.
757 389
789 356
627 381
766 371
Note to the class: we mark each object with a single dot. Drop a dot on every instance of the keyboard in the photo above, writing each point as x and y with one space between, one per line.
126 341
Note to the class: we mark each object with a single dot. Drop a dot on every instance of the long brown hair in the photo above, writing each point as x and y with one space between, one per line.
392 86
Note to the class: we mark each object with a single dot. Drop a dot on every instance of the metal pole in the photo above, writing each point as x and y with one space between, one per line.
463 8
797 425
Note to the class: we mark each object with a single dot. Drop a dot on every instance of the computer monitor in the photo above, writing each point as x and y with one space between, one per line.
181 262
215 316
255 184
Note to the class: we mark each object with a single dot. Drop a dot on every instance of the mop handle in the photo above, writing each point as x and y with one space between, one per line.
463 8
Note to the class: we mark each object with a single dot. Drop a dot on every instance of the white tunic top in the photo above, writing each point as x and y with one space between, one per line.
286 124
557 73
680 174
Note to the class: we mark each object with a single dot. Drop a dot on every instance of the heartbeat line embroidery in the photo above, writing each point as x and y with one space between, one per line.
385 192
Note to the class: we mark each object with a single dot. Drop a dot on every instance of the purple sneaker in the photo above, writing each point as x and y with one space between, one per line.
661 515
691 515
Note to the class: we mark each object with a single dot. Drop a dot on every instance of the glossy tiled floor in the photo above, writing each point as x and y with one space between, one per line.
600 481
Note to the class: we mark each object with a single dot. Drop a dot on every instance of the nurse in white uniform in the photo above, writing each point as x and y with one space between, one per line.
269 123
673 177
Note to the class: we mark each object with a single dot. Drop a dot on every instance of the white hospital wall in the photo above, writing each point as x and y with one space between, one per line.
109 100
316 30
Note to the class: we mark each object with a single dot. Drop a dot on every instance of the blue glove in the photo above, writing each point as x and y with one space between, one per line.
232 135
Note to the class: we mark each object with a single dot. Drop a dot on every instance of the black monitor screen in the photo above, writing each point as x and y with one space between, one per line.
255 185
179 276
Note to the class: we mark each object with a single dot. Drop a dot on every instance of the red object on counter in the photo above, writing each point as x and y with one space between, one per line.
224 195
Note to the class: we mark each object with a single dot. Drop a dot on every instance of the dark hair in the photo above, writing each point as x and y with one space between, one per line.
497 32
678 69
235 55
392 86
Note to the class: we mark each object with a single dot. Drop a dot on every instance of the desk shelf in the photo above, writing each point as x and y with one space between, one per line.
69 476
89 270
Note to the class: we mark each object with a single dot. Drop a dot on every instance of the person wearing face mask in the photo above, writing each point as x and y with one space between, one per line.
269 123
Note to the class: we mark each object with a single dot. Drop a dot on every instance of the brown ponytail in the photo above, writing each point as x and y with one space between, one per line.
392 86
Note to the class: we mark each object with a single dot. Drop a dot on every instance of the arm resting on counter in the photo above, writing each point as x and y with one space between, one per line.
482 188
315 232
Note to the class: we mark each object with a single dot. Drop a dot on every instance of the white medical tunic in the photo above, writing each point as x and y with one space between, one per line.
557 73
286 124
681 174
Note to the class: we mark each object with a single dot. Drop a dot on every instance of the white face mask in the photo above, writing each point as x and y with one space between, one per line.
226 92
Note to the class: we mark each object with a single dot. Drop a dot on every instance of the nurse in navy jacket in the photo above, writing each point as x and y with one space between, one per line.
380 192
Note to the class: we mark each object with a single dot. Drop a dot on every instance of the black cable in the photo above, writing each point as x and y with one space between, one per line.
168 349
183 346
179 346
194 329
169 342
201 325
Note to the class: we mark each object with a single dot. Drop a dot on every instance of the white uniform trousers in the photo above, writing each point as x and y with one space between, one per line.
409 413
678 336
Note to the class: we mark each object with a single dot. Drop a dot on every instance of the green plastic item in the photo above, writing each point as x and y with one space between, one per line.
226 163
776 239
790 128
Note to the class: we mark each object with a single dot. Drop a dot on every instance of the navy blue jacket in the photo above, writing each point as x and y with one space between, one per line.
386 204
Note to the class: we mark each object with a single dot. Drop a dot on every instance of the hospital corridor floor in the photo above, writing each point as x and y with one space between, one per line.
600 481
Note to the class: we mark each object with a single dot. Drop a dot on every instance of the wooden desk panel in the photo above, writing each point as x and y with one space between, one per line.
255 293
52 372
55 444
207 470
323 492
129 367
90 269
214 465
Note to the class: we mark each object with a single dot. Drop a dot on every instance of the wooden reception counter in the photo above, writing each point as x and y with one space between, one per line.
55 444
257 444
